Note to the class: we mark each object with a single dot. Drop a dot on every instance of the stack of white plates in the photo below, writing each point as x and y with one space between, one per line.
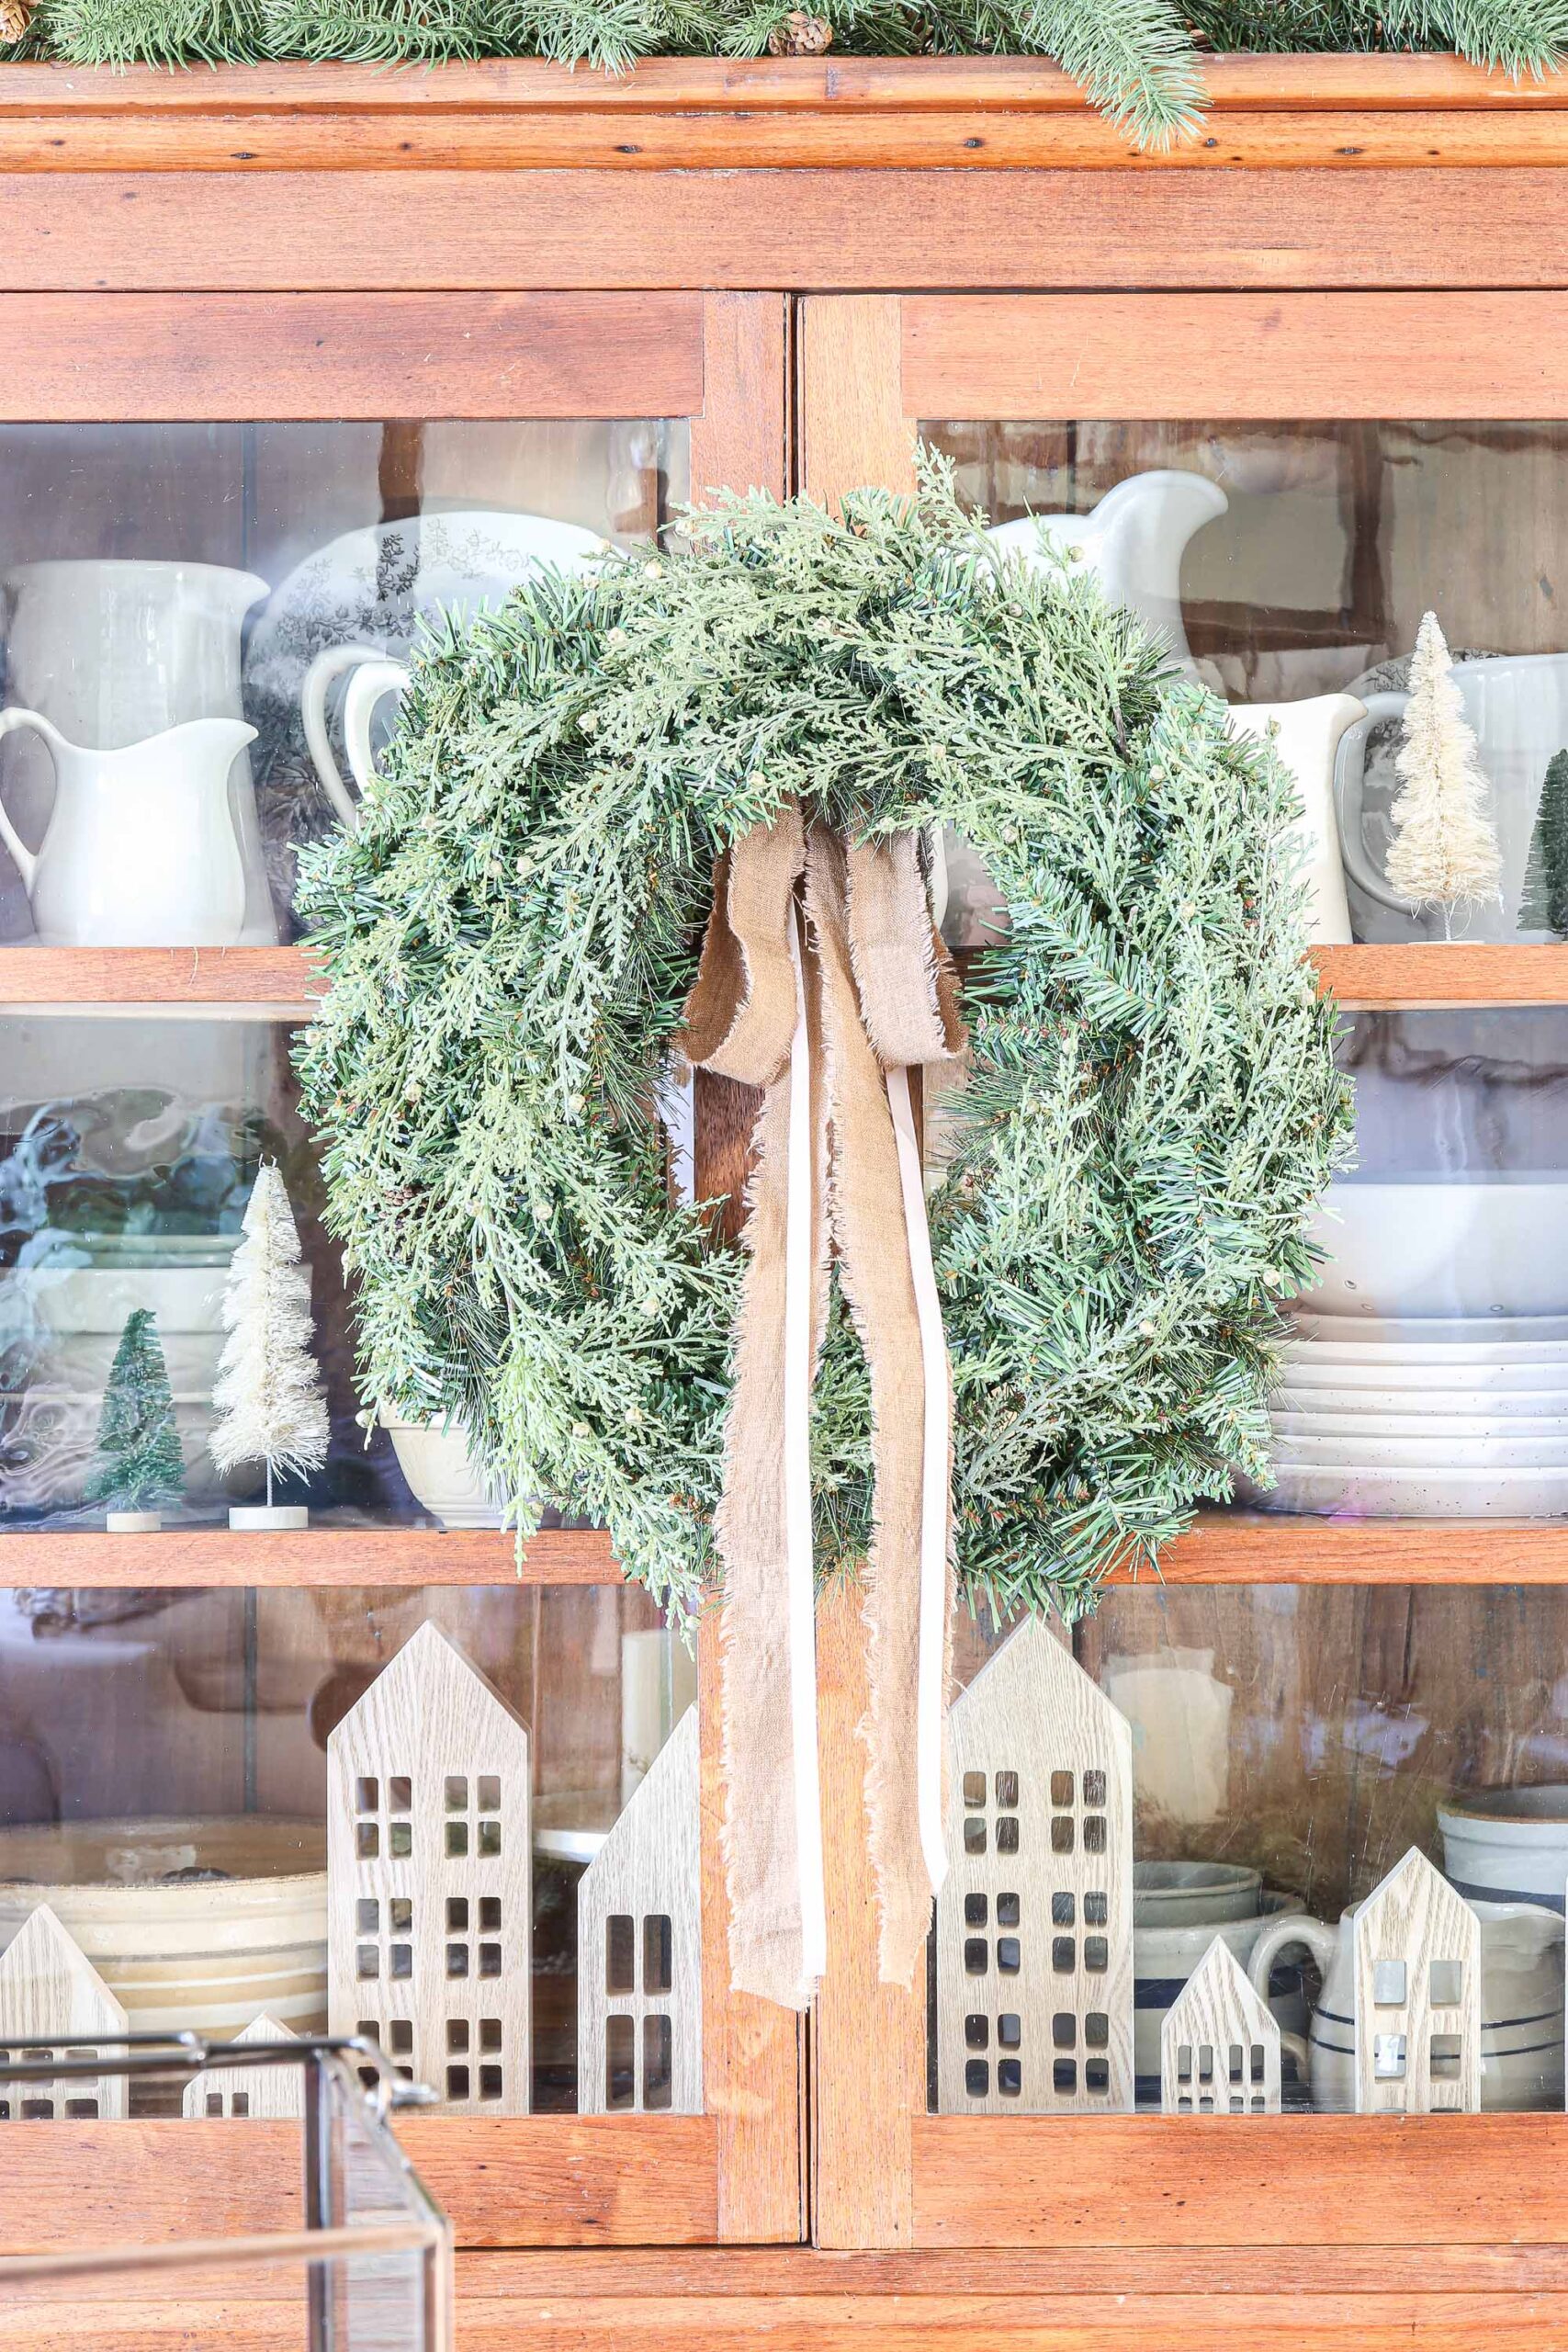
1430 1377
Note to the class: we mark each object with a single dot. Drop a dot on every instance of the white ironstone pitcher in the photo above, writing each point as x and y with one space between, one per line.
141 849
114 652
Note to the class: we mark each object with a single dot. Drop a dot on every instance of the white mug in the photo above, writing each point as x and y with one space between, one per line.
374 677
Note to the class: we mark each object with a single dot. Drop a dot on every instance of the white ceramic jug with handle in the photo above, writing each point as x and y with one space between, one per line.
141 849
115 651
1134 539
374 678
1305 735
1521 2005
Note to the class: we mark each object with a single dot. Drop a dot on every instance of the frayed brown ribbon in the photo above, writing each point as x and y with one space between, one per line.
826 1016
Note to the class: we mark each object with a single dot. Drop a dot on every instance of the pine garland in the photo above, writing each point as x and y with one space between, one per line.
512 933
1138 60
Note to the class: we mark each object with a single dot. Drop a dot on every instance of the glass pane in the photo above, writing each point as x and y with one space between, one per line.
1310 573
1427 1377
151 575
1290 1745
163 1766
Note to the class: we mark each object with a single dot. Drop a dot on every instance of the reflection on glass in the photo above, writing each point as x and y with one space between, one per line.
153 575
1290 1745
163 1777
1334 539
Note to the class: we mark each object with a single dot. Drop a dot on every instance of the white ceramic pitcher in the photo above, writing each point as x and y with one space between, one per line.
1516 704
1134 539
1521 2005
374 678
141 849
116 650
1305 736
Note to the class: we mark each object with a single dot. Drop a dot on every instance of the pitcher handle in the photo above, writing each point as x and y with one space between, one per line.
1349 780
1292 1928
366 689
15 716
327 666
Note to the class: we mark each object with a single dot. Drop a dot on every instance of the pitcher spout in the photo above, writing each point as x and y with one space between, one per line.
1155 514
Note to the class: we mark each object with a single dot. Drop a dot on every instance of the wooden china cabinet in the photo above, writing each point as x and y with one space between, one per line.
270 305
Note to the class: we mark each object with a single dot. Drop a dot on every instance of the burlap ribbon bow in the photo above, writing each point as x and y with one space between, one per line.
828 1019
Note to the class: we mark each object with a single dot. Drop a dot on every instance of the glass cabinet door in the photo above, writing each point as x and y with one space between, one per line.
204 537
1341 1699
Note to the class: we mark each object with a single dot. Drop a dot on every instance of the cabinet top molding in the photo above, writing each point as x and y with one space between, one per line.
1333 113
1310 82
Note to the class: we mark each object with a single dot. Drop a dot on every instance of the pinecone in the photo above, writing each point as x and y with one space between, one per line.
15 18
798 36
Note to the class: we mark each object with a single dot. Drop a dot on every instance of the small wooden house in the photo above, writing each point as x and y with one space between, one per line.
640 1983
248 2090
48 1986
1219 2044
1034 1923
430 1887
1417 1996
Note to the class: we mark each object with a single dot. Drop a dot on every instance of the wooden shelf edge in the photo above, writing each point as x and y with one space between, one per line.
527 2180
277 981
1431 972
280 982
1266 1547
202 1556
1290 2180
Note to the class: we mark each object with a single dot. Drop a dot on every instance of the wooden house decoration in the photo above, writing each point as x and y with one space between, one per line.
48 1986
429 1876
1418 1948
1034 1923
640 1983
248 2090
1219 2044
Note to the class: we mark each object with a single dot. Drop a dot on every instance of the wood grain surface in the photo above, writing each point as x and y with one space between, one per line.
1302 2180
555 2180
1235 355
315 1555
1338 114
302 231
393 355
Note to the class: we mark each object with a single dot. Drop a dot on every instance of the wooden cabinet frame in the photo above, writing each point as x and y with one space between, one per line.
510 239
718 361
887 2172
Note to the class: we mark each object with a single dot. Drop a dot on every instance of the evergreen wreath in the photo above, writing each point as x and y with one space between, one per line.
512 932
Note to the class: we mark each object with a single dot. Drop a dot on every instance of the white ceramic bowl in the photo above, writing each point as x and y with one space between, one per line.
1165 1956
1440 1450
1185 1894
51 1440
1395 1353
1363 1432
98 1298
1345 1488
1539 1361
442 1475
208 1953
1443 1247
1427 1406
1508 1845
1430 1330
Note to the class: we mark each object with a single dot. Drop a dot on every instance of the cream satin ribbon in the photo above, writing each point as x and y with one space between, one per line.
826 1016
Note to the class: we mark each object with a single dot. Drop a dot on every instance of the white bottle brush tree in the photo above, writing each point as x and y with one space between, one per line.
1444 851
270 1404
